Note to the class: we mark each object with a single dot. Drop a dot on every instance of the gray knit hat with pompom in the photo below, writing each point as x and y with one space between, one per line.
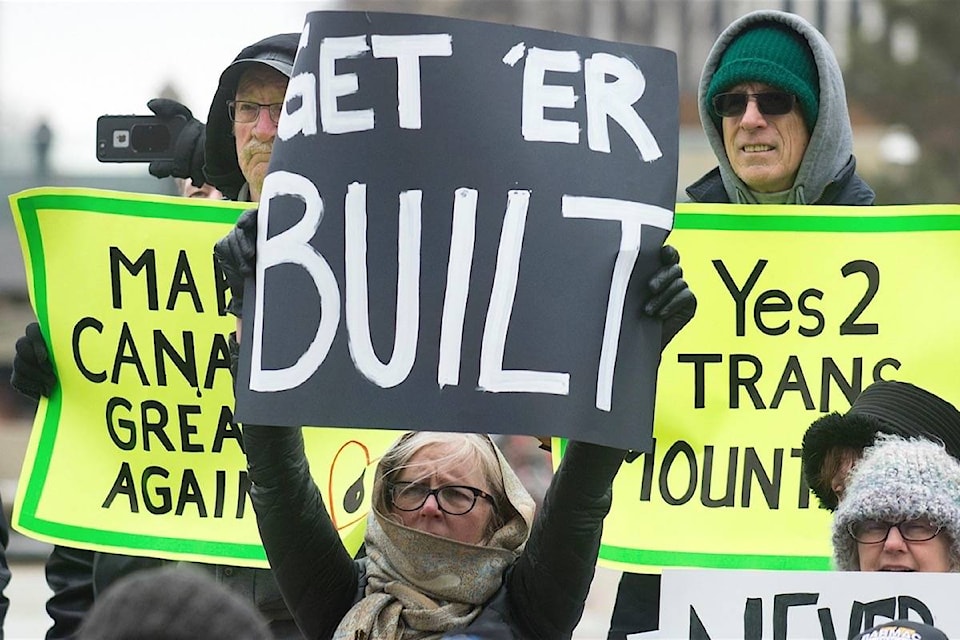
899 479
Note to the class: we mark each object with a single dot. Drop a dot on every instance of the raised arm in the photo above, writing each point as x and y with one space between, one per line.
316 575
551 579
549 583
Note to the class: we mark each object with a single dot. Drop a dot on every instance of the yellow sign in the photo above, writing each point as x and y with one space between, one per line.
136 450
799 309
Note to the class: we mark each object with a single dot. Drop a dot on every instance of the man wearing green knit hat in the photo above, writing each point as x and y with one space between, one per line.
774 109
773 55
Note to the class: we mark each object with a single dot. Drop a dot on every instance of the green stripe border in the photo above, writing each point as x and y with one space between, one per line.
653 558
817 223
27 205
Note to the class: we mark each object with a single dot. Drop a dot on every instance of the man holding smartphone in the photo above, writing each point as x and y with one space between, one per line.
229 159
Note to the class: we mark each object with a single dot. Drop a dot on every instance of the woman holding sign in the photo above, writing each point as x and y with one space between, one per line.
451 540
452 543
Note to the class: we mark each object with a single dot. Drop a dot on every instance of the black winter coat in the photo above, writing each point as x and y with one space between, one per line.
543 592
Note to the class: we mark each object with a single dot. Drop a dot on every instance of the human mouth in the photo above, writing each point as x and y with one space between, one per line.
757 148
255 149
897 569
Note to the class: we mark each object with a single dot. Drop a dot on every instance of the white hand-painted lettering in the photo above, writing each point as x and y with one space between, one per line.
632 217
492 375
396 370
293 247
459 265
408 50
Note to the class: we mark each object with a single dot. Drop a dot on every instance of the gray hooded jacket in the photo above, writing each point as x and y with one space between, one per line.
827 173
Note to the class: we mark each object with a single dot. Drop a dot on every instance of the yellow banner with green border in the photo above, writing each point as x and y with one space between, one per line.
135 451
799 309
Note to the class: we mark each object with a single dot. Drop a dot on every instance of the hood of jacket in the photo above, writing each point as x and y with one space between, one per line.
831 141
221 166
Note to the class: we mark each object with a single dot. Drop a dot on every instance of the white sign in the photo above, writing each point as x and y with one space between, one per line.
708 604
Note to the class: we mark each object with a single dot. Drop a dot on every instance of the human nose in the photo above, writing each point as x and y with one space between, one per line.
894 541
264 127
752 116
431 506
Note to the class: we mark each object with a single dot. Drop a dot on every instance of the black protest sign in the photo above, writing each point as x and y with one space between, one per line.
457 230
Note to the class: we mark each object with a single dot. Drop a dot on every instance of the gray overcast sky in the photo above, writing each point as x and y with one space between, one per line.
72 61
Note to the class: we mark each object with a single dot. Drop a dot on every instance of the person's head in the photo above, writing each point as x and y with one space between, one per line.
187 189
765 93
171 603
241 127
834 442
255 112
773 107
901 509
471 504
906 629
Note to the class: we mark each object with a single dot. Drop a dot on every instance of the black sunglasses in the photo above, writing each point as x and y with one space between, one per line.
770 103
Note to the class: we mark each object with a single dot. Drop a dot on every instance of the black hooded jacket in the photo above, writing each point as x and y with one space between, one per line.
221 167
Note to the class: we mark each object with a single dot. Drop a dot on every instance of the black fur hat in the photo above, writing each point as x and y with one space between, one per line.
221 168
885 406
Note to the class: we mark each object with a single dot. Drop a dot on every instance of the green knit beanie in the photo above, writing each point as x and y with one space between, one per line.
773 55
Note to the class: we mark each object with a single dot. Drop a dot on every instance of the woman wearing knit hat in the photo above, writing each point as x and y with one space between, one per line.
901 509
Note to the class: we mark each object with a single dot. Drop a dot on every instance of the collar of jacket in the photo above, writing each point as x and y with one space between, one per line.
847 188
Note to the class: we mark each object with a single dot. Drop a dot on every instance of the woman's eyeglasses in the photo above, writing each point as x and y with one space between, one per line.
455 500
770 103
876 531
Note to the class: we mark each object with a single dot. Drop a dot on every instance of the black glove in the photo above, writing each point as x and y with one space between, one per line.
188 153
672 301
236 253
32 370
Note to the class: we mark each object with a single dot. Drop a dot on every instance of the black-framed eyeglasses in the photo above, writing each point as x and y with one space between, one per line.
452 499
876 531
244 112
770 103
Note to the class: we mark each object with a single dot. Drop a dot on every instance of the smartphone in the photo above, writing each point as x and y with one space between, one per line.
137 138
